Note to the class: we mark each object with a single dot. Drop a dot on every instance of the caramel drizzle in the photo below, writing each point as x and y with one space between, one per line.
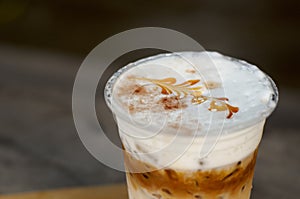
168 86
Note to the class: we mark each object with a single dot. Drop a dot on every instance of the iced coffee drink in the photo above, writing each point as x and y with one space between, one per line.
190 124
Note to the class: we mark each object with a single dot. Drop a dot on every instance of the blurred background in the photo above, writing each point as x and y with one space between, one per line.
42 44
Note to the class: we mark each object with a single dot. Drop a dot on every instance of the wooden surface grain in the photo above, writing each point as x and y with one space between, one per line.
96 192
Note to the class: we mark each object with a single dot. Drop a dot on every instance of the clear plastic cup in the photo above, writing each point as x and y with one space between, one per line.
176 148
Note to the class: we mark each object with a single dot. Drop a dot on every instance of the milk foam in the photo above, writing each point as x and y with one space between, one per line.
160 133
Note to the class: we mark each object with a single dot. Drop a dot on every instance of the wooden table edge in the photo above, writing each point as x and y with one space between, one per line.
116 191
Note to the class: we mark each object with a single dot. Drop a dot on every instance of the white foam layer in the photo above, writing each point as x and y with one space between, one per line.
242 83
163 135
184 153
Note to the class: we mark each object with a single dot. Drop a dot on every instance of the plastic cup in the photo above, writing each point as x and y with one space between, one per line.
195 156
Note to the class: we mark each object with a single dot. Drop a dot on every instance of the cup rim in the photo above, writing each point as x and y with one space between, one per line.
108 91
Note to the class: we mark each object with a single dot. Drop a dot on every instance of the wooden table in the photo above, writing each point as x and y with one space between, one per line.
40 146
97 192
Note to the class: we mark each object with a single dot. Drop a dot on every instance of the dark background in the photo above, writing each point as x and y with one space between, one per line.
42 44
